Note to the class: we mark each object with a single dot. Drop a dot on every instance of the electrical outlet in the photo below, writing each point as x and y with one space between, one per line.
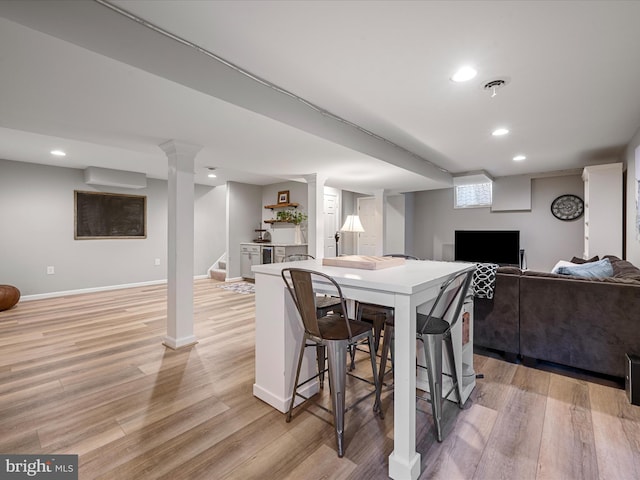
50 270
157 262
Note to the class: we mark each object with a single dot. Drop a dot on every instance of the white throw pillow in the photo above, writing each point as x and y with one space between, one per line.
563 263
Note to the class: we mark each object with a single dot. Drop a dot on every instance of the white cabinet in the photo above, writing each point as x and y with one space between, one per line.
283 251
603 210
249 255
256 254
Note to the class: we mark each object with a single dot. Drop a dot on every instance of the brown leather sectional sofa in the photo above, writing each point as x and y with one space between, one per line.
583 323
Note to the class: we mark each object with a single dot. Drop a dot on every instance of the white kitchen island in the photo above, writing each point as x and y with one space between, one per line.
408 288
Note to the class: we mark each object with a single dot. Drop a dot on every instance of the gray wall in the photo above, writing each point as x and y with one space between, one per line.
37 224
246 212
210 226
544 238
409 224
244 215
36 227
633 178
394 228
284 232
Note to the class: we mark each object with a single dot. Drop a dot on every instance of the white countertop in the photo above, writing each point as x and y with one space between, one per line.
271 244
413 276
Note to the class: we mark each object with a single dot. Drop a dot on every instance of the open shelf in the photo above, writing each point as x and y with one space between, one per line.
281 205
276 221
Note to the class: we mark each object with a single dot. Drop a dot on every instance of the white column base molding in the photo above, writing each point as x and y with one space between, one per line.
402 470
176 343
282 404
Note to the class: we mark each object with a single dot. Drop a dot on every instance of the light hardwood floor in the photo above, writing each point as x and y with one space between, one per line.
88 375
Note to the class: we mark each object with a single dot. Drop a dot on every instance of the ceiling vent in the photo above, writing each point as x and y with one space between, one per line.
496 84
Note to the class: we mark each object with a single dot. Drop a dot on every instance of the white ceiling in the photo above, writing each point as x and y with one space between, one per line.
108 90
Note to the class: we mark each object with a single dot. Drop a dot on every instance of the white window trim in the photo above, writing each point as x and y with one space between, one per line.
473 204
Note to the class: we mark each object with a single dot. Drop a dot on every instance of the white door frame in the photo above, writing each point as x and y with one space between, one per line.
370 242
329 244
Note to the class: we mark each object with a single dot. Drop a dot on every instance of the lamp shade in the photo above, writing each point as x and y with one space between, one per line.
352 224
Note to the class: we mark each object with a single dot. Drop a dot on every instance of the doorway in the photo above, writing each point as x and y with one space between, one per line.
331 222
367 243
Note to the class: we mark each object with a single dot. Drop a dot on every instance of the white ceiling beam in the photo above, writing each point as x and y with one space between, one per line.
100 29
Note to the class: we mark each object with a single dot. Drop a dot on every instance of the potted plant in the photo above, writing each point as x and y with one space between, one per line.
282 216
295 217
291 216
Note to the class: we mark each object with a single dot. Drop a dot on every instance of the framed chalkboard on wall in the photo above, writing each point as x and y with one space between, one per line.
109 215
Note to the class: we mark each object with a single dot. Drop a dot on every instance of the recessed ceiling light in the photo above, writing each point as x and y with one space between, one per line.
212 175
464 74
498 132
519 158
58 153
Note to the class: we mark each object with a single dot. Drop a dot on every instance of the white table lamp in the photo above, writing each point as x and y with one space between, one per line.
351 224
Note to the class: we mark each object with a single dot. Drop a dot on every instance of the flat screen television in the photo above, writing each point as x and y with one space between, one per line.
488 246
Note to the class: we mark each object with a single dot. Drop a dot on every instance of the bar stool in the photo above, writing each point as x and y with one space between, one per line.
336 332
324 305
378 315
432 330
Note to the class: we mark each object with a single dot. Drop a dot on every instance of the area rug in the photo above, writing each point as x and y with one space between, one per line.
244 288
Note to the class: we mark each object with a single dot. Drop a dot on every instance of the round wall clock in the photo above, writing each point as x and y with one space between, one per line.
567 207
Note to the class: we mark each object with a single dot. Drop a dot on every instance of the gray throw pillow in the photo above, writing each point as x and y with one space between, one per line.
582 260
623 268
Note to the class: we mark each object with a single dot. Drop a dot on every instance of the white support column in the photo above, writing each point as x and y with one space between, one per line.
404 461
315 211
395 224
180 243
380 198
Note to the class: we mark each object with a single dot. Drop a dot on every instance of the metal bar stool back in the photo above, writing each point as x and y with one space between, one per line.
325 304
336 332
435 328
379 315
297 257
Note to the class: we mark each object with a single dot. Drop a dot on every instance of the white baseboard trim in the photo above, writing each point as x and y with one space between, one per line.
282 404
234 279
39 296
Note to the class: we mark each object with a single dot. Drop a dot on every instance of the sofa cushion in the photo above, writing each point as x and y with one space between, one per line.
582 260
496 321
509 270
600 269
587 323
623 269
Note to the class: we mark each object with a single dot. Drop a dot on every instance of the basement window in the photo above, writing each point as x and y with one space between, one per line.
471 191
476 195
